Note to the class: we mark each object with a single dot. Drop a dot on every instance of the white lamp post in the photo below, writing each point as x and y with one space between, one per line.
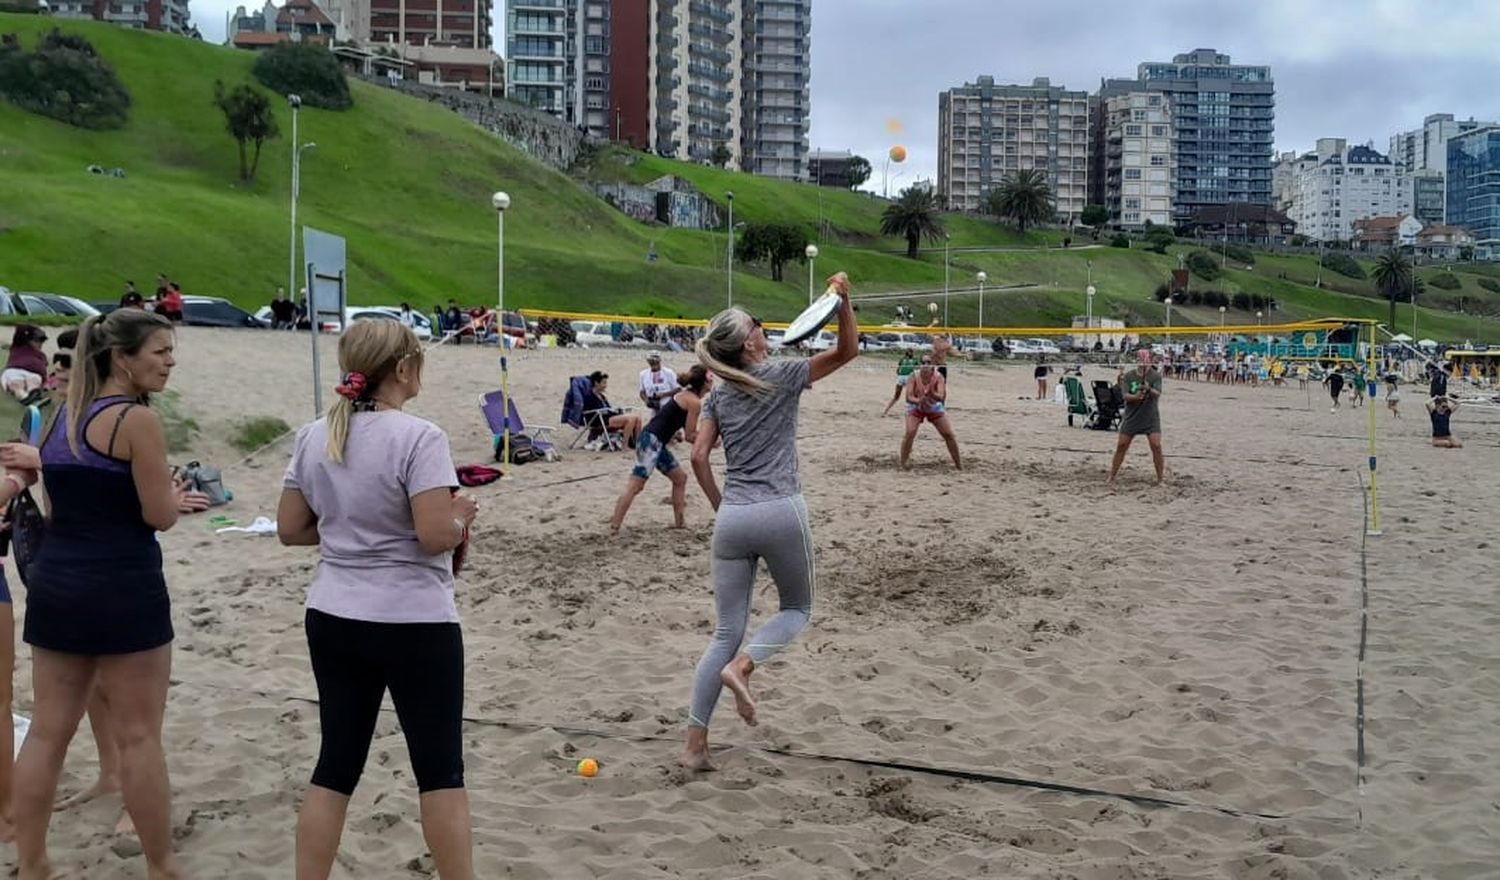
1222 337
812 254
291 272
501 201
730 263
1088 309
947 240
982 278
1168 302
1264 338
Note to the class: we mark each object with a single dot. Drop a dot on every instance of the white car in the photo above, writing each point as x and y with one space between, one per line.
825 340
423 323
1044 346
592 332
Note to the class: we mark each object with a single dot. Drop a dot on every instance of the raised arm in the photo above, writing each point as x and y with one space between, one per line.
825 362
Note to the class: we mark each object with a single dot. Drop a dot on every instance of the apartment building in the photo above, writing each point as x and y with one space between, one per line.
777 52
463 24
1136 159
987 131
1338 184
171 16
1423 154
539 67
697 78
1474 188
1224 122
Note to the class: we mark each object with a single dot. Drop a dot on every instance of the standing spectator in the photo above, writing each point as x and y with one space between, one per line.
98 614
1040 374
131 298
1437 380
26 366
161 287
657 383
374 489
170 306
304 312
283 311
407 317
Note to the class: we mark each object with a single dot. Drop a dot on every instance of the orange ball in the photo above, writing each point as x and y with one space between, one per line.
898 154
588 768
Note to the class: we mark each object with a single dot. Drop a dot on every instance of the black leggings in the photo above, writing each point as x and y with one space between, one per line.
354 662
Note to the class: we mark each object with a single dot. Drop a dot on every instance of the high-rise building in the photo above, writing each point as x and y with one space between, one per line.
777 104
1429 196
463 24
697 78
1137 153
537 60
1474 188
1338 184
987 131
1224 120
171 16
1425 149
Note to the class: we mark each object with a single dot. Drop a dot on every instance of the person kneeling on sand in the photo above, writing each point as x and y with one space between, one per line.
1142 389
926 393
1440 410
677 413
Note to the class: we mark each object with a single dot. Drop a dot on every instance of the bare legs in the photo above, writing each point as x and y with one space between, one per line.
320 826
1041 389
894 397
633 488
1447 442
135 686
945 430
1123 446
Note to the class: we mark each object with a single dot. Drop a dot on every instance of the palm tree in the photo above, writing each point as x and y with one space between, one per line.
914 215
1392 274
1024 197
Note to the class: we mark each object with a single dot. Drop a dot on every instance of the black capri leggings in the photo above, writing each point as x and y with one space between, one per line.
354 662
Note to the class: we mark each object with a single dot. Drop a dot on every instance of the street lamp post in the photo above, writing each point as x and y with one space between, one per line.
982 277
1222 338
1168 302
501 201
1088 312
812 254
1264 338
291 272
947 241
730 262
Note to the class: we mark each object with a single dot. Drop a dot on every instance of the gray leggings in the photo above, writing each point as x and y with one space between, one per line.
777 532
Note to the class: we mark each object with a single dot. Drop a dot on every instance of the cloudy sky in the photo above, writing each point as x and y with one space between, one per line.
1358 69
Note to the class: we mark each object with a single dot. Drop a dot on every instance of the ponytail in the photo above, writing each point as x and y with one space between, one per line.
83 384
722 350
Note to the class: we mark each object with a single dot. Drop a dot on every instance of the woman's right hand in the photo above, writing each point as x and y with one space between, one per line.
839 283
464 508
20 457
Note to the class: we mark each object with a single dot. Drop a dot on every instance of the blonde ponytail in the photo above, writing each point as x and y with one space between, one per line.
369 353
722 350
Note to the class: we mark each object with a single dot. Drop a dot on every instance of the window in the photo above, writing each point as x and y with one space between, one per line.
1158 160
594 83
1132 174
1132 131
1138 115
1158 131
1133 203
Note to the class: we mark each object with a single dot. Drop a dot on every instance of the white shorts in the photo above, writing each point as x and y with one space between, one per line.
16 375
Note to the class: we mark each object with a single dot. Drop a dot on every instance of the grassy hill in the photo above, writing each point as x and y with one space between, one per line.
408 185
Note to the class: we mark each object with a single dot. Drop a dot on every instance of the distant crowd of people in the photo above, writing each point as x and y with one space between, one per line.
167 301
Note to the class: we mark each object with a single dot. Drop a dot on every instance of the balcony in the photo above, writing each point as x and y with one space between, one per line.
721 96
717 74
712 53
717 35
545 52
713 114
712 13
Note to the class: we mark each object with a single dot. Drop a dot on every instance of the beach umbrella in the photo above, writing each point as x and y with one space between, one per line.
1401 337
1432 343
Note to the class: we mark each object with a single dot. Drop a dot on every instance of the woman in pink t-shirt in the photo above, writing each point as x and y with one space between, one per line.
376 491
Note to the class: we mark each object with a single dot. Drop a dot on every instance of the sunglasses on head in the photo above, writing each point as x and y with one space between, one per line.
755 322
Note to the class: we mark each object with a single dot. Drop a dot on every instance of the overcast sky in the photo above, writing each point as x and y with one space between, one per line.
1358 69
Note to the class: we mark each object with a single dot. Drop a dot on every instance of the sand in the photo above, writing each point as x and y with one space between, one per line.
1194 641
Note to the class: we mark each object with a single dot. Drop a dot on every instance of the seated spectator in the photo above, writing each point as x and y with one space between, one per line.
626 424
26 367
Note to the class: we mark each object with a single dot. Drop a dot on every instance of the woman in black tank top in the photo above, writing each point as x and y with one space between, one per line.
678 413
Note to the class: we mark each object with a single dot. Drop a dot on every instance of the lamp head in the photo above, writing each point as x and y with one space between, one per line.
294 100
982 277
1168 300
812 251
1222 310
1089 290
729 195
500 201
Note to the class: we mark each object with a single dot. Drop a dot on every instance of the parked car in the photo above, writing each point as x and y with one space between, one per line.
423 323
591 332
38 303
825 340
211 311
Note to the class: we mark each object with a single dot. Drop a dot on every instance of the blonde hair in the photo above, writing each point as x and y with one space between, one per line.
722 350
124 330
374 349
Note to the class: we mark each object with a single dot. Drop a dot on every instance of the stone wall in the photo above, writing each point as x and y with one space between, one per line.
668 200
545 137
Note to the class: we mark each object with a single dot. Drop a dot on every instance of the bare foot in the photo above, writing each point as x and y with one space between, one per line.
736 677
696 760
125 825
169 871
102 788
7 831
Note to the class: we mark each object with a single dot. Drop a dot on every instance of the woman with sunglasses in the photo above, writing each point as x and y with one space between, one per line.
761 513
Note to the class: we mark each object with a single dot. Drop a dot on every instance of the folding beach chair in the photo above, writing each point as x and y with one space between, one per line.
540 437
592 424
1108 407
1078 402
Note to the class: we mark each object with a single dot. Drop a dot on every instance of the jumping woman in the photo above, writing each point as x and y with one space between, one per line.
761 514
679 412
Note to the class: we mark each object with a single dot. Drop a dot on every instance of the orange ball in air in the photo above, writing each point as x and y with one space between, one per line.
898 153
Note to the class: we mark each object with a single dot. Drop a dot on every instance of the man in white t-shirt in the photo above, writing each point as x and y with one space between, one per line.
657 382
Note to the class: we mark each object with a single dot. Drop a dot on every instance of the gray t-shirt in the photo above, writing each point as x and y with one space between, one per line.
1143 417
760 432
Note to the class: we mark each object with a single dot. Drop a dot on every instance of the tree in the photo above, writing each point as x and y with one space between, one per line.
1392 275
720 155
1159 238
64 79
304 69
859 171
774 243
915 216
1024 197
248 119
1095 216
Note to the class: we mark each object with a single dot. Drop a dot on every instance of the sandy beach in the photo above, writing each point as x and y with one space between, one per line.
1193 642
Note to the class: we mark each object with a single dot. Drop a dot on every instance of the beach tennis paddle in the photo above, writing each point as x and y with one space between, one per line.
813 318
31 425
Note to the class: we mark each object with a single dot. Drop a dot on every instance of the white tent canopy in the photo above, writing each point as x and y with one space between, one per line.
1427 343
1401 337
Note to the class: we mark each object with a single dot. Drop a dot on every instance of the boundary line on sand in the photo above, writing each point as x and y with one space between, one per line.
1360 756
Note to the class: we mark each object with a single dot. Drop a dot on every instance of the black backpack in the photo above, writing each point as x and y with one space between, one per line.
521 450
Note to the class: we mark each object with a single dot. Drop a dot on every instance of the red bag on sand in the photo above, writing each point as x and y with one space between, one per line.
471 475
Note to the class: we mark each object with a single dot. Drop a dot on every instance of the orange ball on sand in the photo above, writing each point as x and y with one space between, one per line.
588 768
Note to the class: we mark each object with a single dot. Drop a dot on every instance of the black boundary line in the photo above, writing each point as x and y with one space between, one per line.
899 766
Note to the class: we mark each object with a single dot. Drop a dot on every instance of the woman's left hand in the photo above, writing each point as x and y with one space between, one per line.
839 282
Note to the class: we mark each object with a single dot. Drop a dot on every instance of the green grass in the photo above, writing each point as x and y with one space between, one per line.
257 431
408 184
